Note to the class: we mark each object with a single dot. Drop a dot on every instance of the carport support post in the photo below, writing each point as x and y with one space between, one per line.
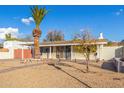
50 53
99 51
71 53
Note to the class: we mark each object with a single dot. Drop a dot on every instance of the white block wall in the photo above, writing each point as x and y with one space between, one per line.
108 53
7 55
81 56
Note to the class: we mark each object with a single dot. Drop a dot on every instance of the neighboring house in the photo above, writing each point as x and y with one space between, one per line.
15 49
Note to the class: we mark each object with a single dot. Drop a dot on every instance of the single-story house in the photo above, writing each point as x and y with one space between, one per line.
58 49
65 50
49 50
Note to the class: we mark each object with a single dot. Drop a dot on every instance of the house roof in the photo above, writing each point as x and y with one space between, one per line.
77 42
115 44
66 43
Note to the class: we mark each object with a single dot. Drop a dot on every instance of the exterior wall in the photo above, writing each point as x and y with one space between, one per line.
108 53
53 54
74 55
80 56
47 55
7 55
77 55
103 52
99 51
44 55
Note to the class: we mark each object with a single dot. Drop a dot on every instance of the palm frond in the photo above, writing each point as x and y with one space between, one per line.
38 14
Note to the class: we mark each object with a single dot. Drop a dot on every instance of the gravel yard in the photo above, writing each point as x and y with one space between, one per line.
63 75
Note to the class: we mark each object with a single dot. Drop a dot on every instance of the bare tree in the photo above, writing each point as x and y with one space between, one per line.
27 38
54 35
87 45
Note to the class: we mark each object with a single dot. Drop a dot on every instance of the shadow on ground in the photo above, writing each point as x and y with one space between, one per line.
59 68
67 65
18 67
108 65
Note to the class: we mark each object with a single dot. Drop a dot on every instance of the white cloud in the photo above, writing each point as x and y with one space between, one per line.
31 19
14 32
27 21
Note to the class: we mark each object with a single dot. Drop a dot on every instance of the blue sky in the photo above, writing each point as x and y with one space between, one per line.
69 19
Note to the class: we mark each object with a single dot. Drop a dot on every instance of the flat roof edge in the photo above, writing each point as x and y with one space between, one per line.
98 43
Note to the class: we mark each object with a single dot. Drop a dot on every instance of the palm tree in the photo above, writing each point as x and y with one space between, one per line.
38 15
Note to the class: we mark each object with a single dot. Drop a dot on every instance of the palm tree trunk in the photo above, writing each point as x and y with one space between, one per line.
36 48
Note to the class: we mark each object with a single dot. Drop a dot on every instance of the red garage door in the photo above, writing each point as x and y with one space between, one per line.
27 53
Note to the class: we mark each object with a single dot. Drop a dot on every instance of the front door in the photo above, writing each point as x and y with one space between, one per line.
68 52
60 52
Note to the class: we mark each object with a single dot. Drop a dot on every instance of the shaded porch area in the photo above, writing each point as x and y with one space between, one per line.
56 52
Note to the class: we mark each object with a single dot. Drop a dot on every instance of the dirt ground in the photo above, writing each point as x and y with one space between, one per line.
65 74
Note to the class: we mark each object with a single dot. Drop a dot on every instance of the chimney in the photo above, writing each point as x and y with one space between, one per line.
101 36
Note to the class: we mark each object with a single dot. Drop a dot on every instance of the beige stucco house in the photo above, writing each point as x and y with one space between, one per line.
65 50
